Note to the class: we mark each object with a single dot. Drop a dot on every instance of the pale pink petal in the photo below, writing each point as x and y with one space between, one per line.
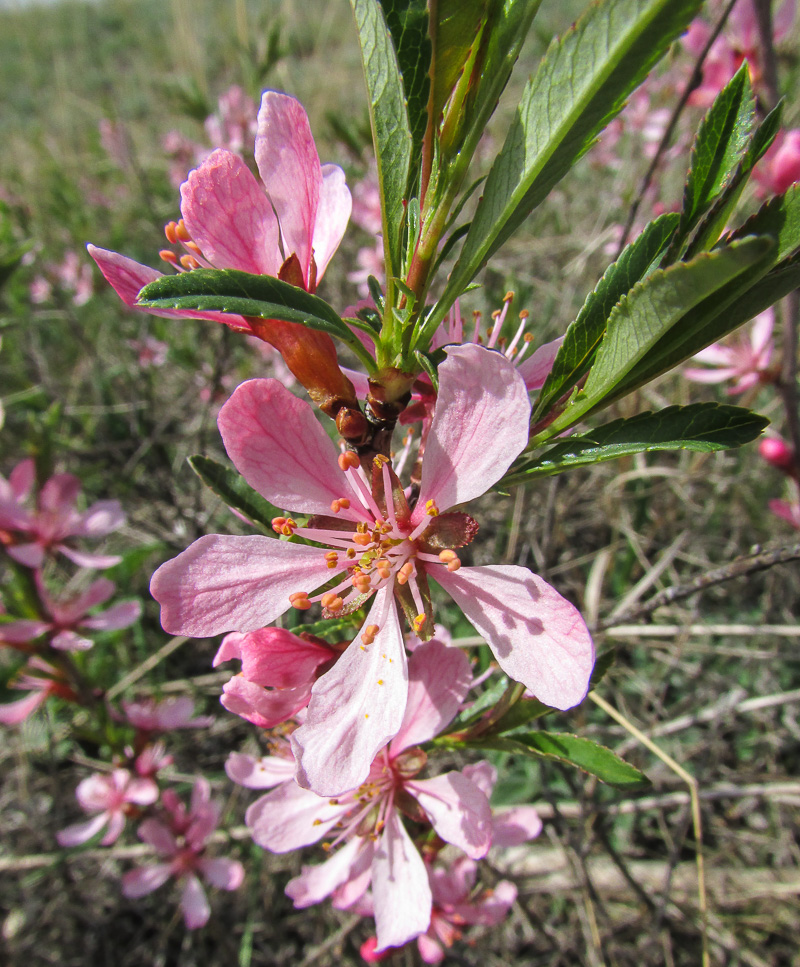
157 835
100 519
315 883
281 449
22 478
333 214
81 832
12 713
21 632
515 825
266 709
70 641
280 659
85 559
479 426
483 774
458 809
224 583
100 791
709 375
783 18
538 637
29 555
118 616
761 332
715 355
116 823
262 773
535 369
453 883
354 894
97 592
139 882
59 494
142 791
400 888
228 215
491 908
194 904
355 708
229 649
439 678
221 872
430 950
289 166
289 818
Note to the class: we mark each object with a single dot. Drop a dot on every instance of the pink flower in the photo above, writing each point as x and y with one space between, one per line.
278 670
150 715
42 680
790 512
112 796
234 122
745 359
182 842
151 351
780 166
264 772
289 225
67 617
367 821
29 535
381 549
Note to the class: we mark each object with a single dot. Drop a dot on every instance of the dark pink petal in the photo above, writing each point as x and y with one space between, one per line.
12 713
458 809
438 681
289 818
223 583
229 649
315 883
118 616
228 215
21 632
479 426
59 494
263 773
355 708
81 832
289 166
333 214
139 882
157 835
280 659
70 611
194 904
28 555
538 637
280 448
535 369
266 709
22 478
400 889
453 883
515 825
221 872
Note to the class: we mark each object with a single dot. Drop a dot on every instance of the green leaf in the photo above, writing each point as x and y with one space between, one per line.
455 29
595 759
407 21
655 306
391 131
702 427
236 493
581 84
584 335
522 712
779 218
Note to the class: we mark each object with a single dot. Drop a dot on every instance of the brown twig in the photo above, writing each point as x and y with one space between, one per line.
769 67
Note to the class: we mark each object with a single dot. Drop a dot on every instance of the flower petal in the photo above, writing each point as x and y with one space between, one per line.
194 904
400 888
333 214
315 883
263 773
515 825
439 678
222 872
121 615
266 709
82 832
228 215
278 658
159 836
233 583
538 637
281 449
355 708
139 882
289 818
479 426
535 369
458 809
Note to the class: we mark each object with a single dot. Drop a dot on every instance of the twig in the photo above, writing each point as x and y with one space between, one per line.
172 645
769 73
692 83
739 567
691 782
788 383
336 937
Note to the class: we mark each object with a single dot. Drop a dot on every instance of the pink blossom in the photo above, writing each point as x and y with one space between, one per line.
151 351
375 846
779 454
780 166
745 358
264 772
112 796
182 841
786 510
381 549
234 122
28 535
70 277
278 670
41 680
151 715
289 225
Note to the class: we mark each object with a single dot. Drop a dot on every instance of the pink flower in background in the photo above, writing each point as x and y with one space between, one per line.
151 351
366 822
289 225
278 671
790 512
182 841
745 359
379 548
29 535
112 796
70 276
41 680
68 617
234 123
151 715
184 154
780 166
264 772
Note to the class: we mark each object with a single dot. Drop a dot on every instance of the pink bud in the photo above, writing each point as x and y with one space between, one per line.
776 452
369 954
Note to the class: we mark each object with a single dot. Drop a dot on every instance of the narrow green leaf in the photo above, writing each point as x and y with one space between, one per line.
407 21
579 87
651 309
236 493
391 131
522 712
779 218
454 30
584 335
701 427
595 759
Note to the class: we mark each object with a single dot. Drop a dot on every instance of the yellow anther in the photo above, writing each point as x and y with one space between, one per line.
331 601
326 847
341 503
528 337
366 715
332 559
189 262
524 315
454 565
300 600
419 621
431 509
317 822
171 233
380 681
182 231
496 315
368 635
508 296
194 248
363 540
361 583
333 802
351 553
380 460
168 256
446 556
361 527
405 572
348 460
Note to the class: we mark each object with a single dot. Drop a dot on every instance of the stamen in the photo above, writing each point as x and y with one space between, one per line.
332 558
419 621
450 558
369 633
331 601
341 503
168 256
387 490
431 509
189 262
299 600
284 525
349 461
171 233
405 572
182 231
361 582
